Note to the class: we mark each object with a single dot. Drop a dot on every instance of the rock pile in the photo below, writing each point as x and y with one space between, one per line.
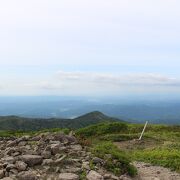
49 156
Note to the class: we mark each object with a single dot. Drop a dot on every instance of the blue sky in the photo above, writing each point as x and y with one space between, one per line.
87 47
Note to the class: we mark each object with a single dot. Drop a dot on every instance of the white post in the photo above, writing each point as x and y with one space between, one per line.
143 130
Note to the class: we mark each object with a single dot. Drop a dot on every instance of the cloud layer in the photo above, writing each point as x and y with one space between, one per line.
117 79
93 83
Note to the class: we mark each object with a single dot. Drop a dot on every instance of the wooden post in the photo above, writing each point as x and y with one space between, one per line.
143 130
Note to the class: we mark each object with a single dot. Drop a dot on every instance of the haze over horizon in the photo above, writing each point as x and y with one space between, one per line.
90 48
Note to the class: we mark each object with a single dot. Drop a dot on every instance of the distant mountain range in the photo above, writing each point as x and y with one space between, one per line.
28 124
138 111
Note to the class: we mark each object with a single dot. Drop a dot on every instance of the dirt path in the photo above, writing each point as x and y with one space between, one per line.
149 172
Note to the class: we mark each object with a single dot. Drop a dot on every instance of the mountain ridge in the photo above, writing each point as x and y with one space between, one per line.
28 124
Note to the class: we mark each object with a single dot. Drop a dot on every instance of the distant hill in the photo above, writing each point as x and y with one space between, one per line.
28 124
96 117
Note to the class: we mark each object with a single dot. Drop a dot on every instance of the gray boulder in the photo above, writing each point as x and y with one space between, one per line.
32 160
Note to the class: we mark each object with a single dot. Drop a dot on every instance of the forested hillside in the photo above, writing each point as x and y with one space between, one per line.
32 124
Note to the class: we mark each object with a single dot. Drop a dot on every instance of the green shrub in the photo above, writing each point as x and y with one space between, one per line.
83 175
116 161
102 128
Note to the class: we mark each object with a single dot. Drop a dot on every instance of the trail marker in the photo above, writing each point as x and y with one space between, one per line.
143 130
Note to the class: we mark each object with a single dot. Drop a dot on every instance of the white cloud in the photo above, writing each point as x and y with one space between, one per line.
117 79
44 85
92 83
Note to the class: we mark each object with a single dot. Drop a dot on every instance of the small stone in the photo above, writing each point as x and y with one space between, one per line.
7 178
9 159
1 174
47 162
107 176
147 165
22 143
76 147
68 176
114 177
55 148
71 170
36 138
85 165
15 154
27 176
20 165
60 159
13 172
124 177
57 169
97 160
12 143
93 175
10 166
46 154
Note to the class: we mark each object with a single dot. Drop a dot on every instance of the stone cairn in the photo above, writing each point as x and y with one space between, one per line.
49 156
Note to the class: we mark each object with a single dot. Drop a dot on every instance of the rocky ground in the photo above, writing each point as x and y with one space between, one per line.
50 157
60 157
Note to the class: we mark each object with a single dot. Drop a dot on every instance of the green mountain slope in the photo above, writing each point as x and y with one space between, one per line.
29 124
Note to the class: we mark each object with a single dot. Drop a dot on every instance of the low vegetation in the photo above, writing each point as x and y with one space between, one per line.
102 129
160 144
116 161
167 157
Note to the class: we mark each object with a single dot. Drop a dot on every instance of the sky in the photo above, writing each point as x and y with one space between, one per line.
89 47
